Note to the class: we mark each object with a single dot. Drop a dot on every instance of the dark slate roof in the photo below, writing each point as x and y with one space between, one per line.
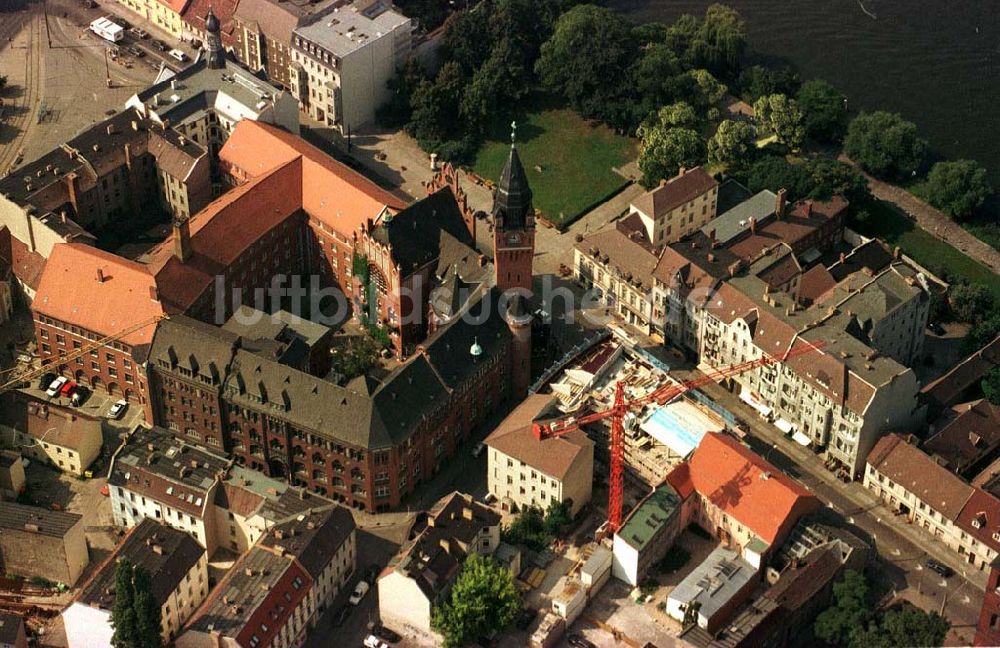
166 553
11 628
407 393
513 195
448 349
19 517
312 538
193 345
416 233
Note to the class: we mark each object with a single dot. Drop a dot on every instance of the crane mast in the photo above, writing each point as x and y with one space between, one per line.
620 407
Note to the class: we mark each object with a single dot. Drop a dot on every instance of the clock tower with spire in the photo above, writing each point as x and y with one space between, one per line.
513 225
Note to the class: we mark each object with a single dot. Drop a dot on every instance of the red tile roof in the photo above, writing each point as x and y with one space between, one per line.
71 292
177 6
224 230
196 11
745 486
330 191
675 192
26 265
980 518
918 473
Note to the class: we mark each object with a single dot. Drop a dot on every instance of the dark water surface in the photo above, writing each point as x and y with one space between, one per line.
935 61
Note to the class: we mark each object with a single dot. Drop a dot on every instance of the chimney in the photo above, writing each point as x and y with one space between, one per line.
62 217
135 125
897 253
842 257
711 258
711 235
173 84
158 549
446 545
681 171
780 203
153 293
753 225
111 129
182 140
182 240
809 208
100 275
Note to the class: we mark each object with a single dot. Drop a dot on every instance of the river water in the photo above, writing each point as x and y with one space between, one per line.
937 62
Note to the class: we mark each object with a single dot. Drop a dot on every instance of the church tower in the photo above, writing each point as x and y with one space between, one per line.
215 54
513 225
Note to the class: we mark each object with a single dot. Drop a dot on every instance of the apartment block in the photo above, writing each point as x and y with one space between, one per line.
37 542
677 207
523 471
178 574
56 436
422 573
343 59
165 14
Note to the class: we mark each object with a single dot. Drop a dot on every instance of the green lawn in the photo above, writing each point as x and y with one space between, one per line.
886 223
576 159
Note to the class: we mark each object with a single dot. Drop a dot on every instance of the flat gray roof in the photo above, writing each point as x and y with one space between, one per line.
734 222
347 29
714 582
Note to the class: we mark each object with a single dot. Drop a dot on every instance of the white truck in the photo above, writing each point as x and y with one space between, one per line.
107 30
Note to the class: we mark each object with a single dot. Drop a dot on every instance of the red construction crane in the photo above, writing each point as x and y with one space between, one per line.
617 412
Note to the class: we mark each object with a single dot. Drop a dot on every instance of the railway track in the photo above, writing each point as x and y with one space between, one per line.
27 107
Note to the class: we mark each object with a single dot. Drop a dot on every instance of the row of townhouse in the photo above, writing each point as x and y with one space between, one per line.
742 288
962 517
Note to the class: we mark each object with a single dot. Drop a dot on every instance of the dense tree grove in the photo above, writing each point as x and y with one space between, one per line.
816 179
135 616
781 116
958 188
852 622
824 110
971 303
734 144
665 149
483 601
991 385
885 144
759 81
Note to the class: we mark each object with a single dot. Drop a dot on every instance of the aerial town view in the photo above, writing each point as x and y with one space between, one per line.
499 323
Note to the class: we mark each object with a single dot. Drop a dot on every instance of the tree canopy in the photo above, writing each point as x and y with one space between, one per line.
885 144
135 616
734 144
482 601
970 302
585 60
815 179
780 115
760 81
981 334
905 625
664 149
991 385
824 110
843 623
716 42
958 188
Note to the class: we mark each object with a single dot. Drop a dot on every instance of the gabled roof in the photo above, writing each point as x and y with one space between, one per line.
26 265
71 290
744 485
166 554
980 518
972 433
197 11
918 473
313 538
671 194
626 254
330 191
553 456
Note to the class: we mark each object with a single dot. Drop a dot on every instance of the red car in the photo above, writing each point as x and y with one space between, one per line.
67 389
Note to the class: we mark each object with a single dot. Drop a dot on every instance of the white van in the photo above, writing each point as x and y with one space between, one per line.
179 55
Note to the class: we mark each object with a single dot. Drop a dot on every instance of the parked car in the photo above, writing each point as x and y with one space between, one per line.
936 328
89 4
359 593
577 640
383 632
135 51
939 568
118 409
371 641
179 55
56 386
341 615
139 32
158 45
67 389
80 396
46 380
371 574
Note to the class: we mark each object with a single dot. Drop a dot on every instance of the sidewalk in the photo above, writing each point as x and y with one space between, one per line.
859 500
933 221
